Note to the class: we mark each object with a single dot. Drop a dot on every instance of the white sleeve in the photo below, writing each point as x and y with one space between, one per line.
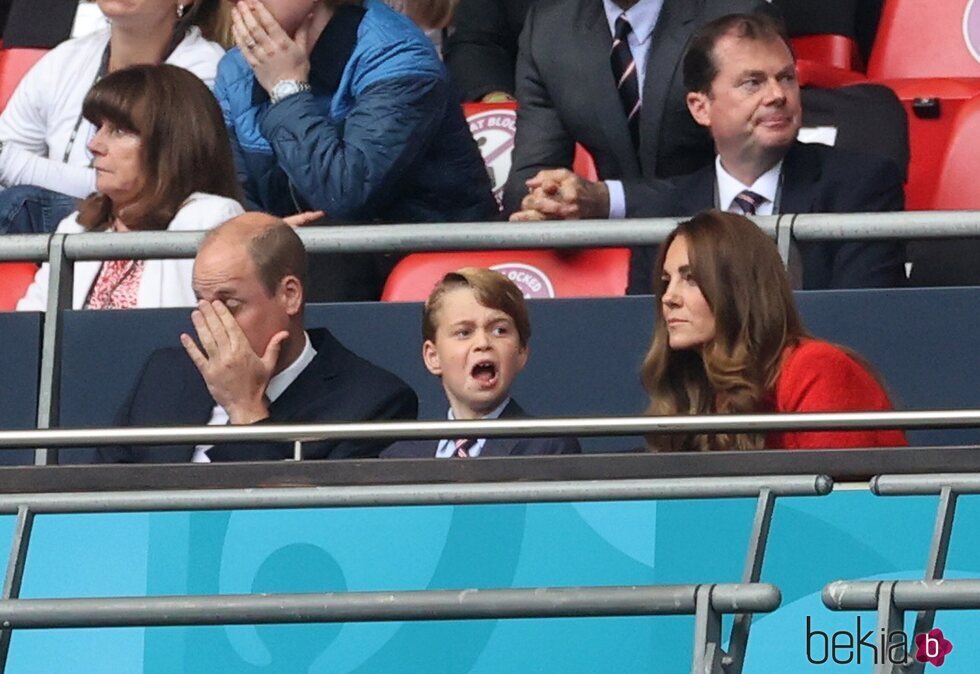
24 131
36 297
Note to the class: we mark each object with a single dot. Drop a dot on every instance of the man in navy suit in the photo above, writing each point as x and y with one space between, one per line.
741 81
475 329
255 362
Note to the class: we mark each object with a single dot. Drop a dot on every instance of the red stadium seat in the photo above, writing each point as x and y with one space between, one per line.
493 125
14 279
932 106
956 183
836 51
14 64
953 261
538 273
923 38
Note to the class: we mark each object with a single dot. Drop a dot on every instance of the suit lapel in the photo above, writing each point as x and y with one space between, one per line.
591 31
504 446
674 28
801 171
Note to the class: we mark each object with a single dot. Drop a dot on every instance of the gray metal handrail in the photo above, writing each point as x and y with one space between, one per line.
538 427
893 598
473 236
706 602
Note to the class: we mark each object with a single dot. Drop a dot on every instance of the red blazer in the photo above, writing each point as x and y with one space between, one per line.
820 377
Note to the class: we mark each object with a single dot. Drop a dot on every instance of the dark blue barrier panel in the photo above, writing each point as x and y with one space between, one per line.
20 339
585 354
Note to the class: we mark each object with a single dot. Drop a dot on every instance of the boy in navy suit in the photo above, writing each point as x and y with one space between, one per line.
476 329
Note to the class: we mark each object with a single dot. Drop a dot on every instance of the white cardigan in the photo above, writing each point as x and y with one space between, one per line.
42 112
164 283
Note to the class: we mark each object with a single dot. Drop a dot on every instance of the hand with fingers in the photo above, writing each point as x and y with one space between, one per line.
235 375
305 218
559 194
273 55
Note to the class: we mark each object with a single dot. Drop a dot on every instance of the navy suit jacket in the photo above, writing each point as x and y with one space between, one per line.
426 449
816 179
337 385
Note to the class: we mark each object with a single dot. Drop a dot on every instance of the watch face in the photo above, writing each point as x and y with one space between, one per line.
285 88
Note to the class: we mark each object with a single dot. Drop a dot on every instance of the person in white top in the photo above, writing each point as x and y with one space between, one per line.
163 161
44 163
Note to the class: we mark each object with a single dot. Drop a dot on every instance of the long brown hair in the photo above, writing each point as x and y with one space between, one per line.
742 278
185 147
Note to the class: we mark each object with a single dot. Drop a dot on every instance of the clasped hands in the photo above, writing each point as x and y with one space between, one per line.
559 194
235 375
273 55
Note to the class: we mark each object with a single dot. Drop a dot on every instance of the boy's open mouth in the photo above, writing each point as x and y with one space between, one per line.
485 373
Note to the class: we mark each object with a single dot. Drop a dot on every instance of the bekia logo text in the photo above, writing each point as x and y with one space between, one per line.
874 646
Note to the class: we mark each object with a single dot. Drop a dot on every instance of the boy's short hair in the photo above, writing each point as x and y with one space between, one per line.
492 289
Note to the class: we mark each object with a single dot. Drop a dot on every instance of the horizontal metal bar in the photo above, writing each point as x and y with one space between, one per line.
908 595
473 236
496 428
925 485
546 602
24 247
905 225
270 498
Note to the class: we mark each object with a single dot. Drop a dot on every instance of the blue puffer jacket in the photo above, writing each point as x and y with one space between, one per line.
380 138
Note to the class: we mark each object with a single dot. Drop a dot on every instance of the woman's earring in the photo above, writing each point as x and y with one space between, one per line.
180 11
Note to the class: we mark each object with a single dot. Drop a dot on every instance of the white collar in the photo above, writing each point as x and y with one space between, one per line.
493 414
728 187
281 381
642 17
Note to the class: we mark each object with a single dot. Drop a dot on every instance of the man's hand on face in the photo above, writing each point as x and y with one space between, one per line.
236 377
559 194
268 49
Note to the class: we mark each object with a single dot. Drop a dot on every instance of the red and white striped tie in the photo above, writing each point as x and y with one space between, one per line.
461 447
627 80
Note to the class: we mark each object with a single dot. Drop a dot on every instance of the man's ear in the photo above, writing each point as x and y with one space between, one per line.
699 105
430 356
291 292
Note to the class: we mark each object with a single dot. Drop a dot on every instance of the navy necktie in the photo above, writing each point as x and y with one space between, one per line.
627 80
748 201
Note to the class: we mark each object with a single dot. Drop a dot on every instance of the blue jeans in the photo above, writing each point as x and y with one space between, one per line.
28 209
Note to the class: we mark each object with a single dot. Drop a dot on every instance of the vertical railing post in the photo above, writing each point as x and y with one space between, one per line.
60 286
707 634
15 572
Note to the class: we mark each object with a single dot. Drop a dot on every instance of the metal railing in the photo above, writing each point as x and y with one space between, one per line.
891 599
707 602
62 251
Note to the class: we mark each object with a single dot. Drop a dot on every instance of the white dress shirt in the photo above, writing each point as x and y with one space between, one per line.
277 385
766 185
447 447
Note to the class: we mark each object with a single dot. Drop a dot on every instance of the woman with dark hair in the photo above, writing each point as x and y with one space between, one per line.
44 165
163 162
728 340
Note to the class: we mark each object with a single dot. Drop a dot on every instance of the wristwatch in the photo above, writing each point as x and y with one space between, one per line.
285 88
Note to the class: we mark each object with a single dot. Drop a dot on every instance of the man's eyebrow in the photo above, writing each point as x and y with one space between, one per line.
751 73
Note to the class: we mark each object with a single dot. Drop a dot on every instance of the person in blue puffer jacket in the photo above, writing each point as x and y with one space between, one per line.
343 109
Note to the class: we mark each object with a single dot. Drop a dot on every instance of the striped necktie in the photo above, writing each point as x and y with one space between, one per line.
461 447
748 201
627 81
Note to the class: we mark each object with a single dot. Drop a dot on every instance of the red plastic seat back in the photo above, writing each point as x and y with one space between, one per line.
14 64
927 38
14 279
956 182
596 272
836 51
494 126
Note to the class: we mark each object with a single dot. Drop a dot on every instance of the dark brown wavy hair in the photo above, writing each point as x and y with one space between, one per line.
185 147
742 278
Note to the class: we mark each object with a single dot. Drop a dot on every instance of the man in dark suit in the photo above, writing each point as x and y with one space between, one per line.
255 363
741 81
567 89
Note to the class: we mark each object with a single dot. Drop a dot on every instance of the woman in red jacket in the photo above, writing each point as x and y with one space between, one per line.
728 339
